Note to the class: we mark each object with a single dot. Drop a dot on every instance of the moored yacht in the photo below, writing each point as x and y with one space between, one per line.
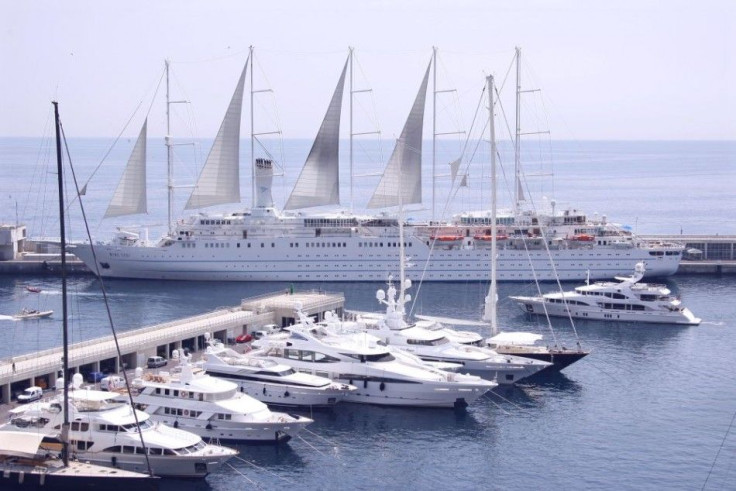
108 432
441 345
358 359
272 382
211 407
622 300
25 466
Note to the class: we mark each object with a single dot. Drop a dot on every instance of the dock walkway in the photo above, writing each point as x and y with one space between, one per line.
100 355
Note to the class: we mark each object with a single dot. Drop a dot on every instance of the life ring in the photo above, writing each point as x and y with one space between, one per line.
186 412
184 394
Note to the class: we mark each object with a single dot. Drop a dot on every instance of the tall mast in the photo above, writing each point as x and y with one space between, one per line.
489 314
434 128
62 233
402 258
169 141
351 127
169 155
252 137
517 138
494 211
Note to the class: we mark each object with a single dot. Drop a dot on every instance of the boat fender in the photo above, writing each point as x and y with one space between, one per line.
286 394
176 424
365 383
382 386
209 426
114 461
264 390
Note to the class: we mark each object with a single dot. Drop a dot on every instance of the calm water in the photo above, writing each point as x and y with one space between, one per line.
648 409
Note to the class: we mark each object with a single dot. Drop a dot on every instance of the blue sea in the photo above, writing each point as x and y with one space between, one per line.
652 406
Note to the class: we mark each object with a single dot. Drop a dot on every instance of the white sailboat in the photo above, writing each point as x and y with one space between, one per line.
24 463
263 243
514 343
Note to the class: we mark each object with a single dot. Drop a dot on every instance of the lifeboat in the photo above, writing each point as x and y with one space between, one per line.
485 240
447 239
583 237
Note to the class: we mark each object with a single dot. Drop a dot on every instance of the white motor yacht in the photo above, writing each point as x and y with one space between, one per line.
380 377
273 382
106 432
443 345
625 300
211 407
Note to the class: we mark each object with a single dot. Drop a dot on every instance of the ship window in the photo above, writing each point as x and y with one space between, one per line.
273 245
248 245
238 244
263 245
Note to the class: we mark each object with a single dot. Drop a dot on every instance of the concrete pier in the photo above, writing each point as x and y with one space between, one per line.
100 355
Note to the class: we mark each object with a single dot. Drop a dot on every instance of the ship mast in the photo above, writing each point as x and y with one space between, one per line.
252 137
62 234
490 307
168 140
517 141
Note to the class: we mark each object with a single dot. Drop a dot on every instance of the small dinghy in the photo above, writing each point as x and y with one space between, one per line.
32 314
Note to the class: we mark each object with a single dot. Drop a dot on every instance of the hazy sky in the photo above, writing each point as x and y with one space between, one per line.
624 69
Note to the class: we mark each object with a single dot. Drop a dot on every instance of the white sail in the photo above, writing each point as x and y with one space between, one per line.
130 195
319 181
406 159
219 181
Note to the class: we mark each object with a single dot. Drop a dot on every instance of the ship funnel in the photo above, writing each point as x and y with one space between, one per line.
264 178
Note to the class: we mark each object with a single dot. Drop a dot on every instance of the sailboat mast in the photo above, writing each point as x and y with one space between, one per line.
434 129
169 155
350 56
494 228
252 137
62 233
402 258
517 138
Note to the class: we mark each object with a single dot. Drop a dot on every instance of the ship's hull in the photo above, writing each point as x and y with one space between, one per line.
79 476
353 259
288 396
532 306
239 432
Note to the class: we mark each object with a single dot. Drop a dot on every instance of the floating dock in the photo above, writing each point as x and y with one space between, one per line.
100 355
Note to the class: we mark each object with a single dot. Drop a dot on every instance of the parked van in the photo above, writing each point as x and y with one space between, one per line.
30 394
155 362
112 382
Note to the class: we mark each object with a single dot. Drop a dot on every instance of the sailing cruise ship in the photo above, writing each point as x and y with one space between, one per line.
265 243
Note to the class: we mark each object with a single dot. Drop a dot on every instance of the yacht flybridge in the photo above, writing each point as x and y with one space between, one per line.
265 243
624 300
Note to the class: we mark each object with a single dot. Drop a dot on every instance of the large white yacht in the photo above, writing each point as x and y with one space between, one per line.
358 359
265 243
104 431
212 407
439 345
622 300
272 382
